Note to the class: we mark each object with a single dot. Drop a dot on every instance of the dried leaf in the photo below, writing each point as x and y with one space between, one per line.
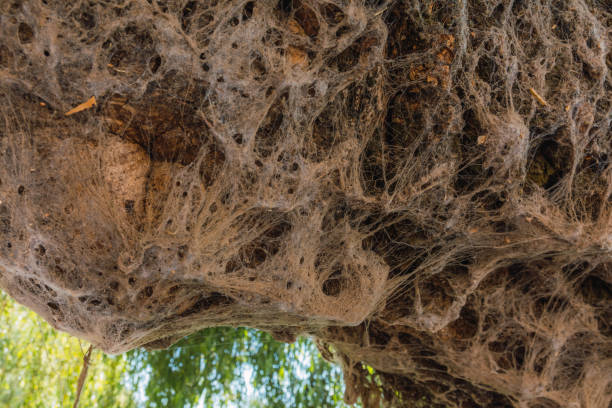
85 105
295 27
296 56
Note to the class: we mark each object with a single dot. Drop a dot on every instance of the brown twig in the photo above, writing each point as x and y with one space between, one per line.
538 97
82 376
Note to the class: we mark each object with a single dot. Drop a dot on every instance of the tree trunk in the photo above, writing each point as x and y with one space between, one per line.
423 186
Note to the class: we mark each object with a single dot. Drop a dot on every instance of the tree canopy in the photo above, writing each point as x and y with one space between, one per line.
39 367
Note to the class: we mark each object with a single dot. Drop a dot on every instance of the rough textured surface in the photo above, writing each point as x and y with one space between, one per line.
424 186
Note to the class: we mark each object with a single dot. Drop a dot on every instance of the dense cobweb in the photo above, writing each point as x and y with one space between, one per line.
424 186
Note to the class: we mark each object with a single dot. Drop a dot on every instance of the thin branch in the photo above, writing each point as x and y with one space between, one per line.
82 376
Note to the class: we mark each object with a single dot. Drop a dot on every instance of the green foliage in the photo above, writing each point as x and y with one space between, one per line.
39 367
237 367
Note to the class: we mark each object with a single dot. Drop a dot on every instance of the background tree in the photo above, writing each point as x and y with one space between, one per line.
239 367
39 367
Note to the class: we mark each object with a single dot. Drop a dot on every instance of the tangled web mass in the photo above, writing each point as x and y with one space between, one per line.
423 186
